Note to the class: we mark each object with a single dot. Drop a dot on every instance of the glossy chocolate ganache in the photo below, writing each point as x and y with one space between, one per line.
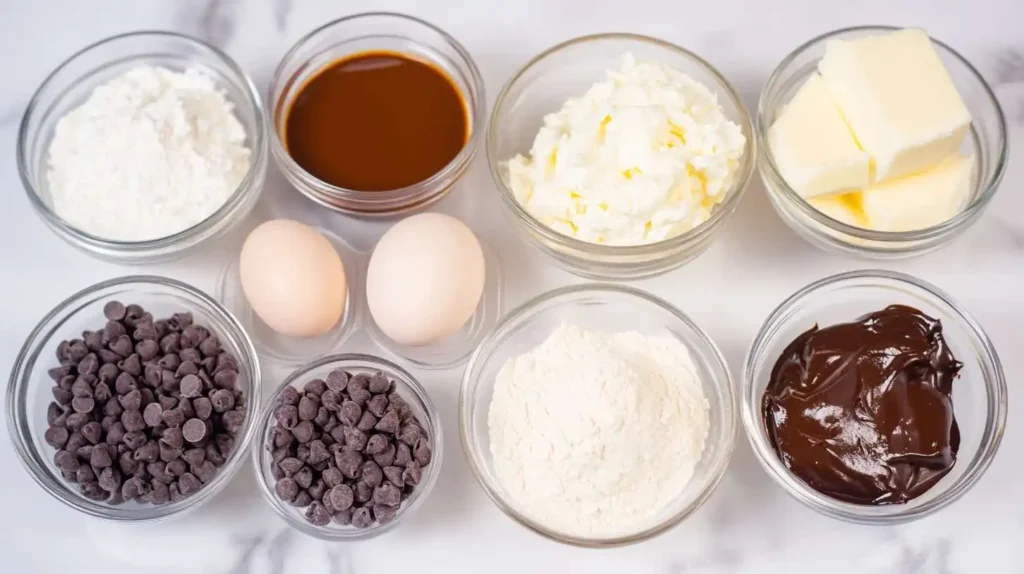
862 411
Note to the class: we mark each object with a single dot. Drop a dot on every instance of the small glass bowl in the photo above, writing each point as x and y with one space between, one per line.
987 141
407 387
568 70
609 308
374 31
979 394
28 392
70 85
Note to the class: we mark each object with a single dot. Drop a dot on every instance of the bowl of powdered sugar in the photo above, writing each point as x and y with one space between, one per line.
597 415
142 146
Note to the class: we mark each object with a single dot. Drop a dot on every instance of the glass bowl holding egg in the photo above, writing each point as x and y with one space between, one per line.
879 142
619 156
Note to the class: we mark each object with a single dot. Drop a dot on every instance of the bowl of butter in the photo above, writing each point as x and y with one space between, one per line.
879 142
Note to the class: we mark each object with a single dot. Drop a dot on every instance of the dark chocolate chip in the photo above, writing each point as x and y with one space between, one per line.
160 494
387 494
389 423
304 477
191 386
134 439
188 484
308 408
147 349
287 416
169 362
421 453
337 380
302 500
227 379
361 518
377 405
317 514
88 365
85 474
170 343
153 414
56 437
62 396
394 474
101 392
113 310
379 383
364 492
83 404
349 463
318 452
303 432
77 420
149 452
203 407
385 458
372 473
332 477
194 430
204 471
132 365
122 346
286 489
342 497
191 356
223 400
315 387
174 418
194 456
92 431
132 421
176 467
350 413
355 439
384 514
233 421
290 396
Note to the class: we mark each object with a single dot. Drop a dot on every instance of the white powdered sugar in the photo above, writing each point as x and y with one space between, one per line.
593 434
149 154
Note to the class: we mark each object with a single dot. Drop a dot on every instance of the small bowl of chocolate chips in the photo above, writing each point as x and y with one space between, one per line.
134 399
349 445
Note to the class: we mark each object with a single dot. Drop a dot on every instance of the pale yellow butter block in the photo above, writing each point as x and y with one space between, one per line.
844 207
921 200
813 147
898 99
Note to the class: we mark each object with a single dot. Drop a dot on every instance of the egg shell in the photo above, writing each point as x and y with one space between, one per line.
293 278
425 279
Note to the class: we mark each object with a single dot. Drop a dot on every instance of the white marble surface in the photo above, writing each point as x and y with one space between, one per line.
749 525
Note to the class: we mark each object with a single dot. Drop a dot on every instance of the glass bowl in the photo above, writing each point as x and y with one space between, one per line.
361 33
406 386
568 70
987 141
979 394
28 391
73 81
609 308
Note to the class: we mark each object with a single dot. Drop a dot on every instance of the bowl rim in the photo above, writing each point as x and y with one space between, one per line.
402 377
257 147
775 183
526 311
733 195
995 390
25 363
380 202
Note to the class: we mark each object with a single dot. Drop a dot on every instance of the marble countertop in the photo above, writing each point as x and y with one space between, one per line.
749 525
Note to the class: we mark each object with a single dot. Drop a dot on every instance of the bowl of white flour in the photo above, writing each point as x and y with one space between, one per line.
140 147
597 415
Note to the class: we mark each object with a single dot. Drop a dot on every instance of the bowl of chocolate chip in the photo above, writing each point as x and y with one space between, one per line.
873 397
134 399
348 447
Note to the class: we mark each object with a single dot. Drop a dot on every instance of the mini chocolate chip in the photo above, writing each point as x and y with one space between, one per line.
332 476
194 430
83 404
113 310
223 400
350 413
389 423
387 457
361 518
304 477
203 407
227 379
147 349
422 452
387 494
191 386
148 452
132 365
286 489
355 439
376 444
349 463
403 455
372 473
77 420
188 484
85 474
290 396
308 409
287 416
233 421
205 471
167 402
174 417
170 343
364 492
191 356
92 431
303 432
302 500
315 387
56 437
101 392
318 452
210 346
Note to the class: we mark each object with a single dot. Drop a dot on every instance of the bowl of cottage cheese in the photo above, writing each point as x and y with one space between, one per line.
619 155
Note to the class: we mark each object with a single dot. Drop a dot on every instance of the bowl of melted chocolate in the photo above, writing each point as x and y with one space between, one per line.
872 397
375 114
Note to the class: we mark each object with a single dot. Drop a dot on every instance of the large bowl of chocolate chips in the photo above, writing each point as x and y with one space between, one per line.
134 399
873 397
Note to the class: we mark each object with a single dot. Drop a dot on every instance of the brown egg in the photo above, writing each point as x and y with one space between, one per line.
293 278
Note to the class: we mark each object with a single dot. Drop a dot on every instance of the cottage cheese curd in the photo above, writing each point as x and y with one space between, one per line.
643 156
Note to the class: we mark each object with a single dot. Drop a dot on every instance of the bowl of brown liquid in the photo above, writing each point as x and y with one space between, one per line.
375 114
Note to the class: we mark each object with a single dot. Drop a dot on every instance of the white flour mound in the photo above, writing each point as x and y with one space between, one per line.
593 434
150 153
